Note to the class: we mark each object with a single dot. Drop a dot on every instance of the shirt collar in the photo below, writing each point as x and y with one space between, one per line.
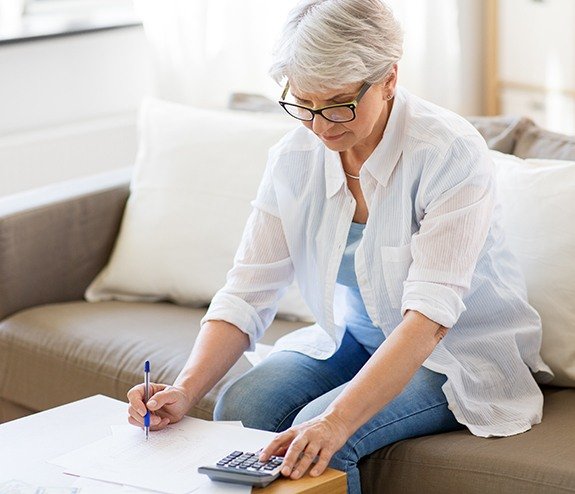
385 156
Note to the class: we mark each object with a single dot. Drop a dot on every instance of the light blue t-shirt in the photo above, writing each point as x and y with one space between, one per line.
358 323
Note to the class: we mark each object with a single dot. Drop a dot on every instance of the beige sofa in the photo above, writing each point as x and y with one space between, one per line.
56 348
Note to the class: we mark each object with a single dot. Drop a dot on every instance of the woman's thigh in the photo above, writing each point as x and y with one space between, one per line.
420 409
271 394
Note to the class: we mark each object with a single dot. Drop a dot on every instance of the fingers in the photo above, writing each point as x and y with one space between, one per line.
155 425
313 441
137 409
159 424
299 453
321 465
300 456
136 399
166 396
278 446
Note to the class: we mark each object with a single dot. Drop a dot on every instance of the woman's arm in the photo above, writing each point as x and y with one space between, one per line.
238 315
388 371
218 346
383 377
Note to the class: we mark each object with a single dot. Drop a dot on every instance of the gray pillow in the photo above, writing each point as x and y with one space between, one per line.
535 142
501 132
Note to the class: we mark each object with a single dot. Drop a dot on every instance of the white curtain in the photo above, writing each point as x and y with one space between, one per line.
203 50
431 65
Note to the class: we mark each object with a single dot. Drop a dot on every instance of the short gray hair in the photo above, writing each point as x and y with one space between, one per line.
327 44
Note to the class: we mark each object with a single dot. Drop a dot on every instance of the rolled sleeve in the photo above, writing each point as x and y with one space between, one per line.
437 302
236 311
261 273
457 200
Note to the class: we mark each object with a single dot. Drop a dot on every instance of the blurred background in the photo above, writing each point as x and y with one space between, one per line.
74 72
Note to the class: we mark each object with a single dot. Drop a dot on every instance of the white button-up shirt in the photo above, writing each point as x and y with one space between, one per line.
432 243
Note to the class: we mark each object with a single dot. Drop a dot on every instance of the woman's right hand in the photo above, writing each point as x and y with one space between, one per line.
168 404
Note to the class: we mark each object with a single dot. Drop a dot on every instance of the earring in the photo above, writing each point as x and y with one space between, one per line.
390 97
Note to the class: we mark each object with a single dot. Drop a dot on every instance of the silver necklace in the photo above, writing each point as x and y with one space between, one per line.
355 177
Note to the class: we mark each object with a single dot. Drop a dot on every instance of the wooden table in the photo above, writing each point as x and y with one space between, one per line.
26 444
330 482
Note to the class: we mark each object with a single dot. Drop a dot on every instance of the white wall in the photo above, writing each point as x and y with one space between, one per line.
68 106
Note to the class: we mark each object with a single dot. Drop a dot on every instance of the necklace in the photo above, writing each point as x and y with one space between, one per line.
355 177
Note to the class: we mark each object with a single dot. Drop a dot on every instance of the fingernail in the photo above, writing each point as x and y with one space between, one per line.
295 473
152 403
314 472
286 470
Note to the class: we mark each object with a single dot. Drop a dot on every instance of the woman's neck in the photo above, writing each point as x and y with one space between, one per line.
353 159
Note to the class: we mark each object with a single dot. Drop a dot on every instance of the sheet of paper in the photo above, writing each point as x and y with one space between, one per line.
20 487
168 461
91 486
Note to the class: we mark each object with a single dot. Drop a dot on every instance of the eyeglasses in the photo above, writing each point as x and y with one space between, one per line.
340 113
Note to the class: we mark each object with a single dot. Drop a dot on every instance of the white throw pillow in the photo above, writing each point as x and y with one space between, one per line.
196 172
538 203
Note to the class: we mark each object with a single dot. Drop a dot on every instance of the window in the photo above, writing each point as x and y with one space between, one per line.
25 20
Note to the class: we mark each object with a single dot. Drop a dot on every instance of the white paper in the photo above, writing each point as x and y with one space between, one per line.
168 461
91 486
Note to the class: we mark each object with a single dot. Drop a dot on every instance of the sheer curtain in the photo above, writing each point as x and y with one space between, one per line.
431 66
203 50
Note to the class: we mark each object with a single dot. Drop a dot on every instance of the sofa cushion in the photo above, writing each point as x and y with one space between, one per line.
501 132
535 142
538 461
197 171
538 206
54 354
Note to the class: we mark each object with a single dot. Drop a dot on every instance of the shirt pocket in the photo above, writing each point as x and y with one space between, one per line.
395 264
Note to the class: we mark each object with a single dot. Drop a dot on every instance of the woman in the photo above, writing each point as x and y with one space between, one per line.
382 206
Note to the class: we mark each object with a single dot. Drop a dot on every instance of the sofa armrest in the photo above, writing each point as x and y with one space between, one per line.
54 240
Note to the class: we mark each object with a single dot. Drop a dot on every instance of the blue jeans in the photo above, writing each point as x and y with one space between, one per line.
289 388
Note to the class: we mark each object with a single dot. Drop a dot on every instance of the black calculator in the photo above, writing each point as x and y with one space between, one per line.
244 468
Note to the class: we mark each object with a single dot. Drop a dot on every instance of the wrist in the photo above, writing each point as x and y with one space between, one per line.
340 421
188 394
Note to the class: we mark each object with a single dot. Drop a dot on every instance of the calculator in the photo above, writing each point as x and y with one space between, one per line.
244 468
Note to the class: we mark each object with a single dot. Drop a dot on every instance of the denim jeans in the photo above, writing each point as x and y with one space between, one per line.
289 388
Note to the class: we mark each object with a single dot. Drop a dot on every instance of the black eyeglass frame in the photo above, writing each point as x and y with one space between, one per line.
352 105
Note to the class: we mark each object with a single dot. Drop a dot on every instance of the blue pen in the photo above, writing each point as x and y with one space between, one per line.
147 396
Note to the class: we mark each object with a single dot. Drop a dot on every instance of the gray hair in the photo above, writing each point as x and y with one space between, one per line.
327 44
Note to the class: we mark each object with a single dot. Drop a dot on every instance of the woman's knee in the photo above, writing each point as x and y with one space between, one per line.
259 403
318 406
239 403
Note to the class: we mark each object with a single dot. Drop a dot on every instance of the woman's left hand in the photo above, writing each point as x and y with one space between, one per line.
302 444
